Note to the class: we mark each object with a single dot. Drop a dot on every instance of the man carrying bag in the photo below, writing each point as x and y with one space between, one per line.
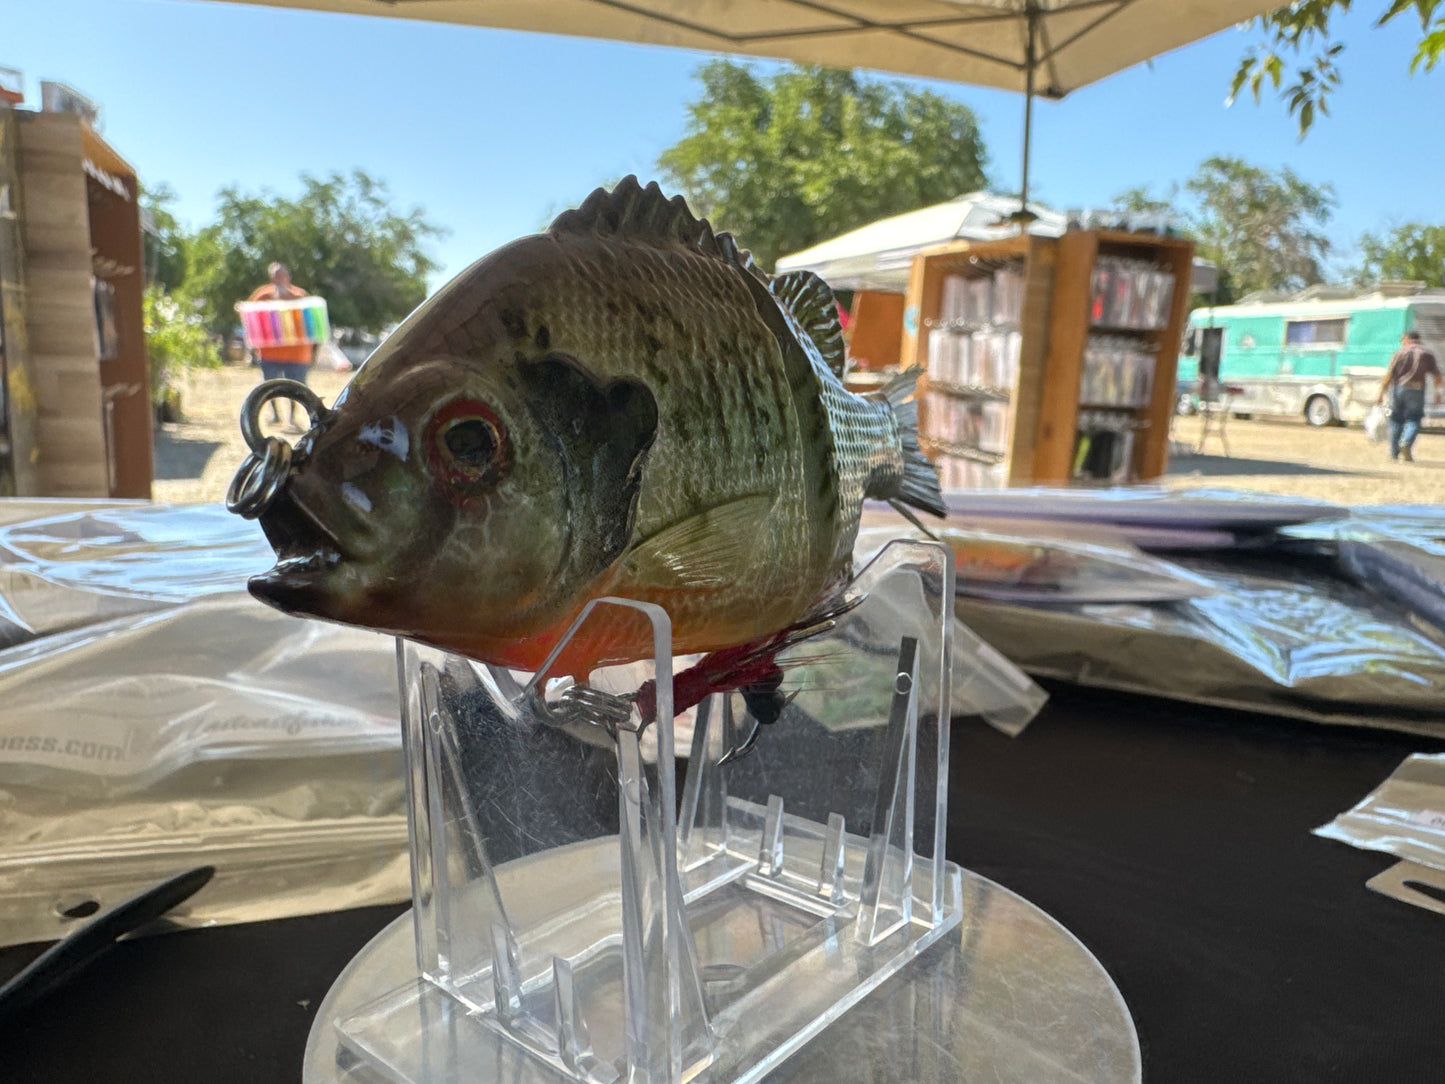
1405 382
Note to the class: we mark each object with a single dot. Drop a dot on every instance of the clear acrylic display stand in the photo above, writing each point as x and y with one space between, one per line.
576 918
731 926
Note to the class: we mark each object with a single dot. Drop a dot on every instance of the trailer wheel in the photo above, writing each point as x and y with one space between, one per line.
1319 411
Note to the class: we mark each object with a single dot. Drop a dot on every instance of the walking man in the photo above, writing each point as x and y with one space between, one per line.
1405 383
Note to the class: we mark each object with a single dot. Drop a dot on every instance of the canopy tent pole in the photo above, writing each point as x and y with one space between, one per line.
1028 103
1023 216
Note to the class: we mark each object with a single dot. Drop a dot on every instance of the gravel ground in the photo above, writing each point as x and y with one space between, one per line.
196 459
1287 456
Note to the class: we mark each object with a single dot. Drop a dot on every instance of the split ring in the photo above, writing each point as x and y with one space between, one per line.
267 390
260 478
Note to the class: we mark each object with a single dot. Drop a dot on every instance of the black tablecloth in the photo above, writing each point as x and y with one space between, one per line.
1173 841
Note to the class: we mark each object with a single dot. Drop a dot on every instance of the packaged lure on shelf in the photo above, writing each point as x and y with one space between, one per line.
967 369
1117 371
1104 446
980 300
994 427
942 354
1101 288
1008 295
1129 293
954 302
1141 382
1163 298
1124 294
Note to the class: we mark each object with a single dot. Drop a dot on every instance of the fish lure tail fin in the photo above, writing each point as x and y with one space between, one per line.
813 305
919 485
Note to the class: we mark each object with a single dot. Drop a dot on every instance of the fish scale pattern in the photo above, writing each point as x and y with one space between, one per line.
684 325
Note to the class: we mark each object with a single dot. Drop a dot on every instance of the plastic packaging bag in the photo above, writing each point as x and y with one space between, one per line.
1376 422
1403 816
158 718
1318 612
329 356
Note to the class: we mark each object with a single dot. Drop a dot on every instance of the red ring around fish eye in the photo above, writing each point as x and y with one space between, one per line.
467 444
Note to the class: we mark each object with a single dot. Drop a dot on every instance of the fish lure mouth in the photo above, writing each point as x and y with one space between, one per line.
305 549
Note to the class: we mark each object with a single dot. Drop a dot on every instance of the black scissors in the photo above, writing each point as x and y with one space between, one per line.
64 958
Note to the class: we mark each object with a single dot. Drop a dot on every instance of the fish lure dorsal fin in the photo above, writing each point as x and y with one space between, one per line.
645 214
812 304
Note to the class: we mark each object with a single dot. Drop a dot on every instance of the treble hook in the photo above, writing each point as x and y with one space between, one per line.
261 476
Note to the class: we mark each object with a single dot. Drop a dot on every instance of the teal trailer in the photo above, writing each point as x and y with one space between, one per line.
1320 358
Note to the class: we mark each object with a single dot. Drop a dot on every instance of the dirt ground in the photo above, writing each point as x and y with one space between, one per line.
195 459
1287 456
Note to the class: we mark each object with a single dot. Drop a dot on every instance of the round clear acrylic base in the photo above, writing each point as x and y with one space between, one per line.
1009 995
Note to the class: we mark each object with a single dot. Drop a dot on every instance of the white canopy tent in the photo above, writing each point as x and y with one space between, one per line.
985 42
1047 47
879 256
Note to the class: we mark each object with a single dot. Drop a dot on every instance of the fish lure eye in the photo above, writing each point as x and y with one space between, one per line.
468 444
472 442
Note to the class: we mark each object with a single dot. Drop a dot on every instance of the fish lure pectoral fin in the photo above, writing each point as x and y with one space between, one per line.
714 549
602 431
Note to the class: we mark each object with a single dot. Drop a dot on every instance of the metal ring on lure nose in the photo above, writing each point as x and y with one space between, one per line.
259 480
264 472
263 393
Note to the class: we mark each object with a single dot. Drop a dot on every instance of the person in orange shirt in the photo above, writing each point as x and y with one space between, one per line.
290 362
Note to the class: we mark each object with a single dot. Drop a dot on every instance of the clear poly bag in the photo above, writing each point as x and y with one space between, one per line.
157 718
1403 816
1377 420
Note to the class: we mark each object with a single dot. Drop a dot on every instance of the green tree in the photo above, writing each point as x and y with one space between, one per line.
1139 200
1413 252
341 239
176 340
794 158
1262 229
167 242
1299 59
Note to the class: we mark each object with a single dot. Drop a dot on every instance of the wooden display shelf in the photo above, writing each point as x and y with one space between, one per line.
1054 322
1033 258
1070 326
80 416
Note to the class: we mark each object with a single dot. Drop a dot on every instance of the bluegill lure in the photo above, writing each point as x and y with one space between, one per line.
623 405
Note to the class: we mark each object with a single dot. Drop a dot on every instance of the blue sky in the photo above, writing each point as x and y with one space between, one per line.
492 132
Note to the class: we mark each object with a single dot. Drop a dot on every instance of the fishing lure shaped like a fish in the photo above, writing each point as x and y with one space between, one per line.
624 405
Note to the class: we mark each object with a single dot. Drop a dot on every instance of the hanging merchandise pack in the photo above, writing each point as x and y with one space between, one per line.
1130 293
1118 371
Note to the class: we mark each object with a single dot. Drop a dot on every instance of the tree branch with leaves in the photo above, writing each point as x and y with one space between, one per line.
341 239
788 160
1298 57
1263 229
1413 252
